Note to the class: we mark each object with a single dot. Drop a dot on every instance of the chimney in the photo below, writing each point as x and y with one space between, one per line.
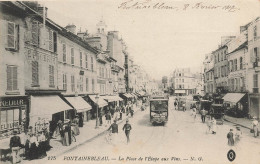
41 11
71 28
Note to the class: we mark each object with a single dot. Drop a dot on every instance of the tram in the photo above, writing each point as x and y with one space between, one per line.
159 110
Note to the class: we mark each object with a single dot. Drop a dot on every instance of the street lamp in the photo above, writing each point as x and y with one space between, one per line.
97 97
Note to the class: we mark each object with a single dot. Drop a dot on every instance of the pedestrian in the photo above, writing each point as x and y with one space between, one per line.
112 111
214 125
194 113
132 112
121 114
203 115
42 147
75 125
100 119
127 127
33 147
108 118
80 118
238 135
255 126
230 137
209 125
175 104
15 145
114 128
67 133
184 107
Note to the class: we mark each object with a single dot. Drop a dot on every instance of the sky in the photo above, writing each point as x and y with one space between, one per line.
160 40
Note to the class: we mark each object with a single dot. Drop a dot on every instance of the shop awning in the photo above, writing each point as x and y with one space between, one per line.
233 97
179 91
112 98
127 95
101 101
134 95
78 103
45 106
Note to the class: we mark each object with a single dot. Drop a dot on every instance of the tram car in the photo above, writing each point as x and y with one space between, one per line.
159 110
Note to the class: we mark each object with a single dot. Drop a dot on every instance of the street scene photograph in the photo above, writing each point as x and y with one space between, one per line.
130 82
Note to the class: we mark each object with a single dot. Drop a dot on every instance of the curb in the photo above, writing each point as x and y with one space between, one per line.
237 124
89 140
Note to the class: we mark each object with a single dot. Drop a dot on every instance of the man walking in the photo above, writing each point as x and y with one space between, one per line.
230 137
127 127
255 126
114 128
203 115
108 118
15 144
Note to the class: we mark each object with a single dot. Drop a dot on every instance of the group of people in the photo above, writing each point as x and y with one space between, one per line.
114 131
116 113
29 144
67 130
234 137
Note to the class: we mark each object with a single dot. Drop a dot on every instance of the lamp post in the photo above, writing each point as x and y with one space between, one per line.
97 97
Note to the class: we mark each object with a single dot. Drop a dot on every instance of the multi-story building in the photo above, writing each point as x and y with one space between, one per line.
184 81
253 72
209 73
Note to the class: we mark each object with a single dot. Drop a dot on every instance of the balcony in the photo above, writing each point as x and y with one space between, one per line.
115 68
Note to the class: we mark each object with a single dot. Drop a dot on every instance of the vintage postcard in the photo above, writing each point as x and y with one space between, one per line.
130 81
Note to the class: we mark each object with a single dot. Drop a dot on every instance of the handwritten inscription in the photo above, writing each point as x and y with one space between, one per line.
150 4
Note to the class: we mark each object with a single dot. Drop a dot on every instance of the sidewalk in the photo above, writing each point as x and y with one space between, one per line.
244 122
87 133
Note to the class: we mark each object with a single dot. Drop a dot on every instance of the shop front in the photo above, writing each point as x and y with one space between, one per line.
127 97
13 115
46 111
254 105
81 106
236 104
113 100
95 101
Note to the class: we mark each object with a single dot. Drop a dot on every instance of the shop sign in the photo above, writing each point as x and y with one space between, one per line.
12 101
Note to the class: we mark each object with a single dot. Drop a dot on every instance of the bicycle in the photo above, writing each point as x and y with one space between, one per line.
108 137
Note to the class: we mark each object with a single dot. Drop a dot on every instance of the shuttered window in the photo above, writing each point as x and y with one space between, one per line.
64 82
93 85
72 56
50 38
241 62
80 57
51 75
35 33
81 84
72 83
87 83
12 80
35 73
92 64
86 60
64 55
10 35
255 80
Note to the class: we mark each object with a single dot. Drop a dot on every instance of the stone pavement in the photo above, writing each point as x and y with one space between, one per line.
87 133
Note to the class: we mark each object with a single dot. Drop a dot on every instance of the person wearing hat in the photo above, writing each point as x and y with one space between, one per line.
238 135
230 138
114 128
15 144
127 127
255 126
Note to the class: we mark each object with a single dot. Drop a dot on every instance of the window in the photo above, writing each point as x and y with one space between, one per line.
12 36
92 64
35 73
255 80
72 83
235 64
215 58
81 84
51 76
80 57
50 40
72 56
87 88
221 56
93 85
35 33
64 82
255 33
241 62
183 80
64 56
231 66
86 60
12 79
10 120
